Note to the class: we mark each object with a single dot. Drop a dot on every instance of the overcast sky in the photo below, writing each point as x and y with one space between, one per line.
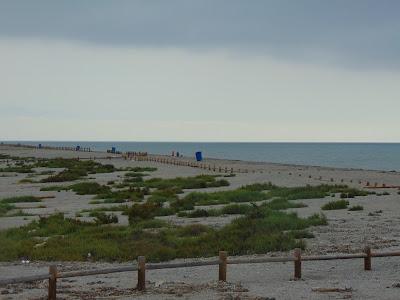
200 70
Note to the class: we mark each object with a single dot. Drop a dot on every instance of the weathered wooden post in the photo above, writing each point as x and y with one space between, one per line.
141 284
367 259
52 283
297 263
223 255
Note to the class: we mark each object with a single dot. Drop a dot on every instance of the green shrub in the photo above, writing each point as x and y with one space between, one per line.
160 198
119 196
313 192
74 169
152 223
53 188
135 174
197 182
302 234
356 207
235 209
66 175
5 208
94 211
192 230
103 218
333 205
20 199
259 187
132 180
225 197
89 188
140 169
198 213
17 169
232 209
182 204
140 212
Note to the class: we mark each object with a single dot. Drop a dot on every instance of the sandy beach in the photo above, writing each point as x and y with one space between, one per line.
378 226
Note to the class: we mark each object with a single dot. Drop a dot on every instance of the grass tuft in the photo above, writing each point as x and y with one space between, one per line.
334 205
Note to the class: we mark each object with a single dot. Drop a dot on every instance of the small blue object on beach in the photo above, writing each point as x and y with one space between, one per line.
199 157
40 146
113 149
78 148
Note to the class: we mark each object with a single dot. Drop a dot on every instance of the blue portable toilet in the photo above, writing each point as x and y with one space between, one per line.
113 150
78 148
199 156
40 146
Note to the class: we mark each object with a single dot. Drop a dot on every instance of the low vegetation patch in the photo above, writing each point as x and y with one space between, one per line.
139 169
73 169
81 188
8 209
135 174
89 188
313 192
356 207
21 199
5 208
120 196
333 205
103 218
17 169
94 211
225 197
260 231
240 209
197 182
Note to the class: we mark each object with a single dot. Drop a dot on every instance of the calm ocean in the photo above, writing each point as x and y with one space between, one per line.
377 156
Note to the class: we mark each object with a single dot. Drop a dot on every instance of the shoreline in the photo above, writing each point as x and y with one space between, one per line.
212 159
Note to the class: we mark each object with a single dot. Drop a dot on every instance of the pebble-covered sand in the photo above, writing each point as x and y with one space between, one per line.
378 225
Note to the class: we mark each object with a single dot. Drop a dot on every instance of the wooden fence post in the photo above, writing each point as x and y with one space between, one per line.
367 259
297 263
52 283
223 255
141 284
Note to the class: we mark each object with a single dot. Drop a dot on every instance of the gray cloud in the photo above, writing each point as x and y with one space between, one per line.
357 33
